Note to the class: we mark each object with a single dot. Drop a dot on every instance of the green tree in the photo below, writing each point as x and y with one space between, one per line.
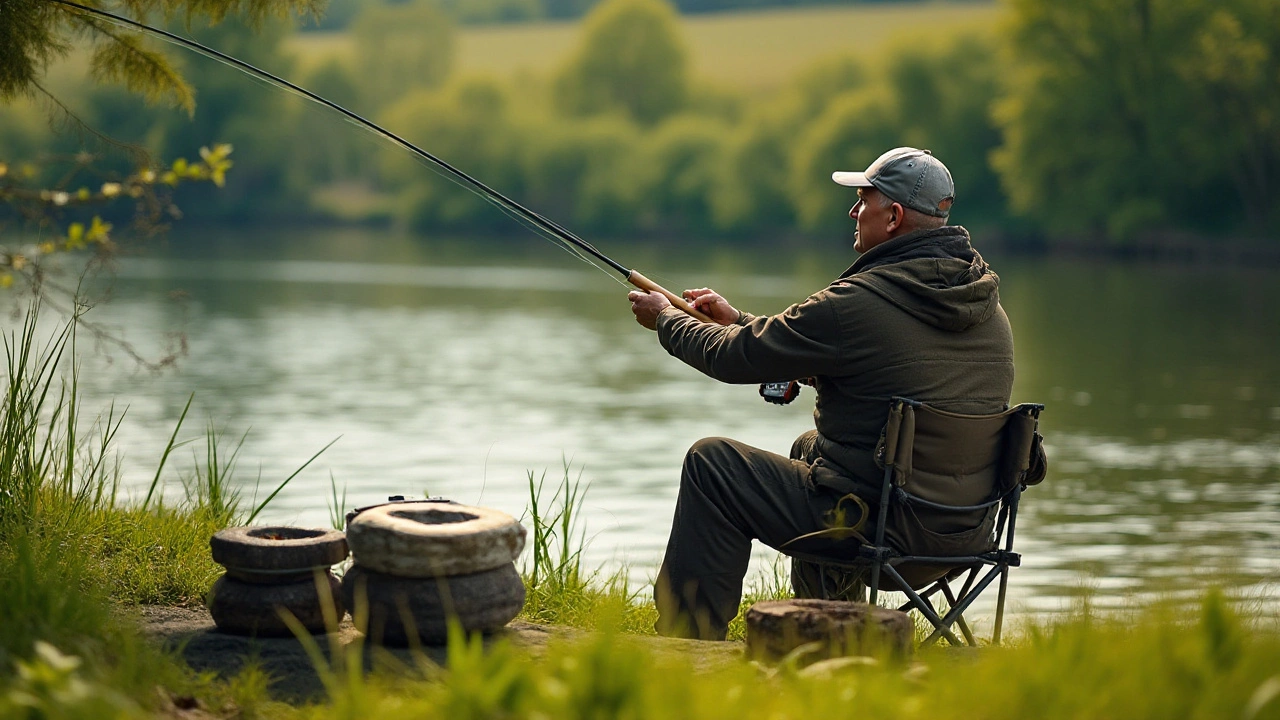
686 153
468 118
851 132
478 12
400 48
943 102
566 8
751 192
252 117
755 192
1120 111
586 173
631 60
33 33
938 99
330 153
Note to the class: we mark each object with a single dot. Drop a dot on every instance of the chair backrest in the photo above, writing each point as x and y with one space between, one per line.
958 465
955 459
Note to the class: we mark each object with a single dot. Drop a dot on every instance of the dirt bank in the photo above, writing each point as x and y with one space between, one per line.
192 633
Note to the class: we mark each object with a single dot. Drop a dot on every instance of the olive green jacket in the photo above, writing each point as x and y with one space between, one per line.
918 316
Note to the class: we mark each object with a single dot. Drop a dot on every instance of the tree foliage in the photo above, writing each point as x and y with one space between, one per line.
33 33
631 60
66 213
468 120
1121 110
401 48
845 115
258 120
1110 118
686 154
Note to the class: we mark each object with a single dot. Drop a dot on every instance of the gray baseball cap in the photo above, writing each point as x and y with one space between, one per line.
909 176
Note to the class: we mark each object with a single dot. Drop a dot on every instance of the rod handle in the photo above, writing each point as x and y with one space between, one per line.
644 283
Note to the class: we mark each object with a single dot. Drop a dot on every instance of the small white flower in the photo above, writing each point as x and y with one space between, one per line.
110 189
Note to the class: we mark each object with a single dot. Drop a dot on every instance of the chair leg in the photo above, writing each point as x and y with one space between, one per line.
926 609
964 626
963 605
904 607
968 582
1004 585
875 582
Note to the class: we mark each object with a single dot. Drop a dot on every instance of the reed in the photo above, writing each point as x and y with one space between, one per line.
73 559
560 591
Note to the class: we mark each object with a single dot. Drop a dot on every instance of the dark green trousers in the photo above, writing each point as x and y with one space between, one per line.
731 494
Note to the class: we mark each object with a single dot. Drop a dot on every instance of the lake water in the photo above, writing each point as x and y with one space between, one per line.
458 368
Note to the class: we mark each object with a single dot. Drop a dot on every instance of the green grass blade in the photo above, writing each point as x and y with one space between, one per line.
261 506
168 448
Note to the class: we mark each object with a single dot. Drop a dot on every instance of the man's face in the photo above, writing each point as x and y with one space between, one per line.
873 219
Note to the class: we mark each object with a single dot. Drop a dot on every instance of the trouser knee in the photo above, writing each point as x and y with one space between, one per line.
802 448
704 459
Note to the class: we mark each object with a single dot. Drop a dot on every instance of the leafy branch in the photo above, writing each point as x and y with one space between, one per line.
34 33
44 206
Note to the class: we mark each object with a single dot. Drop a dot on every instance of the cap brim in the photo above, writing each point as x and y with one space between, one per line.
851 179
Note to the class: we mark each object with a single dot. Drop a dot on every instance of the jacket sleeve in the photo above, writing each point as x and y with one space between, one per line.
801 342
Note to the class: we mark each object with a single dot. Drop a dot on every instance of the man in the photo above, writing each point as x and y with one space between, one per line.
917 315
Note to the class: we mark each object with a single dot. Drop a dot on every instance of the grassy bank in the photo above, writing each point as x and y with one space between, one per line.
1154 664
72 562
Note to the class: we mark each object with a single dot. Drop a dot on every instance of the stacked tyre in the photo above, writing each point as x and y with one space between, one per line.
274 571
417 565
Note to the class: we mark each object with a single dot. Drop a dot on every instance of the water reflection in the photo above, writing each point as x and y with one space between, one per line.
457 368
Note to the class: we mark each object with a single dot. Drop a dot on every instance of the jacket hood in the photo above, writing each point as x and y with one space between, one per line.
935 275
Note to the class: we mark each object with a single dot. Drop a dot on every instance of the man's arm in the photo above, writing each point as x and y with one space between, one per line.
801 342
646 305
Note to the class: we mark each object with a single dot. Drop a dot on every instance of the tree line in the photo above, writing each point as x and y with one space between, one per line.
1122 122
340 14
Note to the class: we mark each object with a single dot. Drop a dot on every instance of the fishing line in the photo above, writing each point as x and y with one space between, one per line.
545 228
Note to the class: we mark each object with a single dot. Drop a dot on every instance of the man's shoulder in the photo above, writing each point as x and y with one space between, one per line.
852 289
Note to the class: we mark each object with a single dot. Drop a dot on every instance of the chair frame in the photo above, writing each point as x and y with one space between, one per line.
884 559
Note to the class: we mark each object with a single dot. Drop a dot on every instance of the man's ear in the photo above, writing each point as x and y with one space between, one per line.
896 215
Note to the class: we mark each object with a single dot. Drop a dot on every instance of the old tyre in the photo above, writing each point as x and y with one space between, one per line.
428 540
277 554
242 608
482 602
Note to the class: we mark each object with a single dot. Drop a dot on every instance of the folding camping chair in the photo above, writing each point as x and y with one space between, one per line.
950 497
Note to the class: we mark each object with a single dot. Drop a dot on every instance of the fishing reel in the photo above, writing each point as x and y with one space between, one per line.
780 393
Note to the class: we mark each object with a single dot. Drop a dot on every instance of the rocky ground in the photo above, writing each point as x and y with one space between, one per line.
205 649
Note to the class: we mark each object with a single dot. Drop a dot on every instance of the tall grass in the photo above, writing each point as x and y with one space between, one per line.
560 591
1157 663
70 555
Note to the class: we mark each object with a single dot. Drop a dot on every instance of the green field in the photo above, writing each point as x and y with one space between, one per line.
750 50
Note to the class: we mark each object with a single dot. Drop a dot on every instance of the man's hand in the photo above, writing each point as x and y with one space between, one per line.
712 305
647 306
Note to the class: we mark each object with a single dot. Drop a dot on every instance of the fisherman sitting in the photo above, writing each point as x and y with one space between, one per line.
917 315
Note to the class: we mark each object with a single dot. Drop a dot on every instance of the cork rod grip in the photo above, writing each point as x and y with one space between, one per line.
644 283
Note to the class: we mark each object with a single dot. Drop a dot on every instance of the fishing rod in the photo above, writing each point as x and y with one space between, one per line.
509 206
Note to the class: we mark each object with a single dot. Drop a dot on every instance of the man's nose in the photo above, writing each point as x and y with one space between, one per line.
853 211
